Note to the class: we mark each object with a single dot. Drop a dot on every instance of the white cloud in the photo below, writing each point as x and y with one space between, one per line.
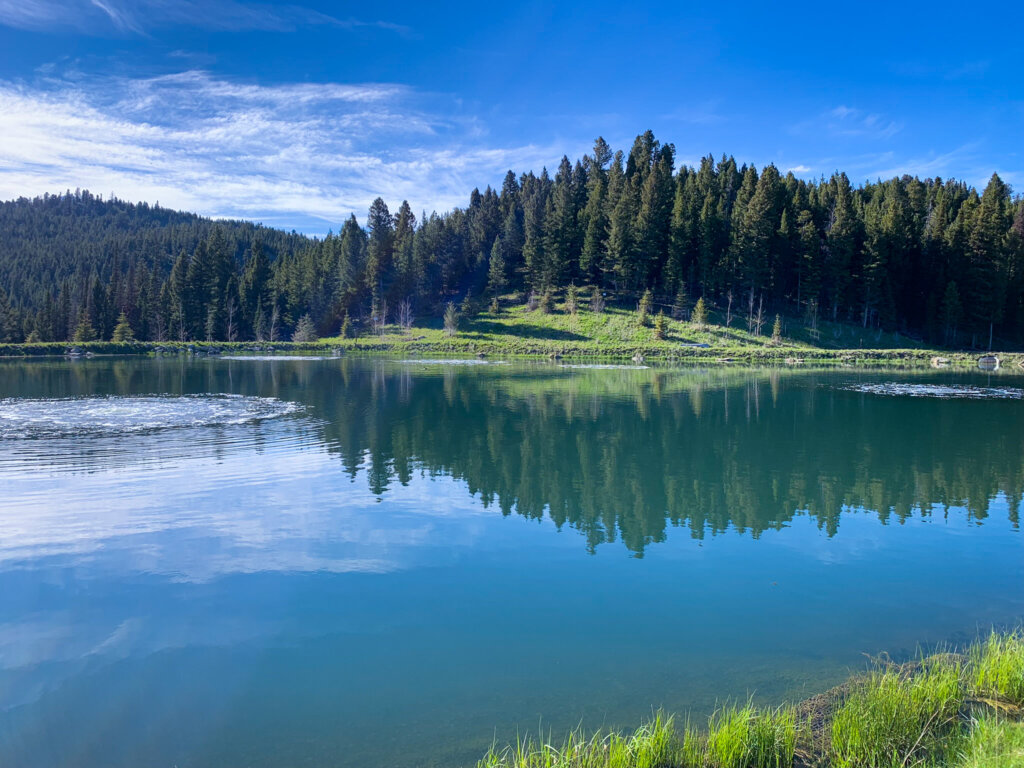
138 16
799 169
284 154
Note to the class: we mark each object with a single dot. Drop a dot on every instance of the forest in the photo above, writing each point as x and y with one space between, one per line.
931 258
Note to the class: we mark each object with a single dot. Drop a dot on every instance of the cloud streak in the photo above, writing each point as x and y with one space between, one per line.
298 155
137 17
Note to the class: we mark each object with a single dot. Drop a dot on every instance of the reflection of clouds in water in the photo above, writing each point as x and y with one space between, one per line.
862 534
245 513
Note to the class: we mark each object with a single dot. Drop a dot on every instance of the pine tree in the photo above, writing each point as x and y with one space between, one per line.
547 302
496 280
595 214
346 327
451 319
699 316
643 308
952 312
660 326
777 330
305 331
123 329
572 299
380 250
84 330
681 304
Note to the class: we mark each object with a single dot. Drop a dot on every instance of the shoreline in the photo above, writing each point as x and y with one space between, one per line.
781 355
944 710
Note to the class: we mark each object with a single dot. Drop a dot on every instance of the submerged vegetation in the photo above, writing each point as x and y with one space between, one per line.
944 711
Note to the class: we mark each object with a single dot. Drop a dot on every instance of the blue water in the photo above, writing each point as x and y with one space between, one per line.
379 563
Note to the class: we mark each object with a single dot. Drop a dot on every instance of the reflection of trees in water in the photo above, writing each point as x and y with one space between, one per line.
622 454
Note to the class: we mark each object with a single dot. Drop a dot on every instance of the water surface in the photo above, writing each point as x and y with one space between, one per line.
344 562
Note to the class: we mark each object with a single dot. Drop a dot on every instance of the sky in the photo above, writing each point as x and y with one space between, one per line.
297 115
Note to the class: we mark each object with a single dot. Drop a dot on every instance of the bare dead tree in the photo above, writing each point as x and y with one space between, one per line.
728 308
230 309
405 314
750 311
380 318
759 317
275 319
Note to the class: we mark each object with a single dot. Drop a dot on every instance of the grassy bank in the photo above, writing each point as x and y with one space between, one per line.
615 333
944 711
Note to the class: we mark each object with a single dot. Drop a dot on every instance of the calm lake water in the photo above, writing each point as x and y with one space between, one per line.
348 562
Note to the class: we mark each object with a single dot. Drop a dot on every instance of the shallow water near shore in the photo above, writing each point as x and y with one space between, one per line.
371 562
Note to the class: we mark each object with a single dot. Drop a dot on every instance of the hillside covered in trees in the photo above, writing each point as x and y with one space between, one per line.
933 258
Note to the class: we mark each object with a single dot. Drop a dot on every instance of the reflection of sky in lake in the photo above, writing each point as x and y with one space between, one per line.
232 595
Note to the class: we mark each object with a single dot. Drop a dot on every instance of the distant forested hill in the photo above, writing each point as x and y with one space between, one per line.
930 257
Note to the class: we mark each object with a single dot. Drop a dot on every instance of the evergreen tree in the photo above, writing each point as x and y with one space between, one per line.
660 326
572 299
380 250
952 311
84 331
681 304
305 331
451 319
643 308
123 329
699 316
496 279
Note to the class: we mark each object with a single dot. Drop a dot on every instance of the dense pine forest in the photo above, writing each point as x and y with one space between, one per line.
931 258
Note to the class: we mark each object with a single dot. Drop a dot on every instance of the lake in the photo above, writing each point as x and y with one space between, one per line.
371 562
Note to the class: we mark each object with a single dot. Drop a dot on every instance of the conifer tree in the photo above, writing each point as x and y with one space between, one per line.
643 308
681 304
699 316
777 330
496 279
123 329
305 331
451 319
572 299
660 325
84 330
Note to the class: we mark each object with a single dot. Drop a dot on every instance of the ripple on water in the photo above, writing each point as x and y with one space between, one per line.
22 418
901 389
453 361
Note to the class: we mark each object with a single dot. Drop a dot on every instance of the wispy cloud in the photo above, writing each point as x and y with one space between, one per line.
850 121
292 155
846 122
140 16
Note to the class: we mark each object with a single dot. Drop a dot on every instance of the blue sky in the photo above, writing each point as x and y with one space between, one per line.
297 115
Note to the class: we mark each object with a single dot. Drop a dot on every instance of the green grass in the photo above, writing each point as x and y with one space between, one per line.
994 743
997 668
892 717
615 333
655 744
749 737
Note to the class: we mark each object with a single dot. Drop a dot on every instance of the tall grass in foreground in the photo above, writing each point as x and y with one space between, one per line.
996 668
891 719
994 744
738 737
656 744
